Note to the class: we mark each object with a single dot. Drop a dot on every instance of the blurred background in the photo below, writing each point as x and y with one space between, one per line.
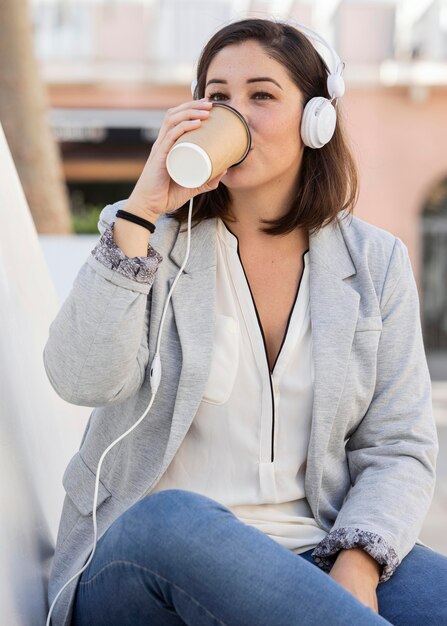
84 86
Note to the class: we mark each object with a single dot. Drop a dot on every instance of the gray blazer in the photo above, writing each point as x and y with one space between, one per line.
373 445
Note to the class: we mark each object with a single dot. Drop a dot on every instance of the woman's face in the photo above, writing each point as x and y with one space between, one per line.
247 78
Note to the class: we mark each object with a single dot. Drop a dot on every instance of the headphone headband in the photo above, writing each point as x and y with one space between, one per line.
314 35
335 83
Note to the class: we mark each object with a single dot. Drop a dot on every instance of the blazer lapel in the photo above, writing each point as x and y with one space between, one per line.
193 303
334 309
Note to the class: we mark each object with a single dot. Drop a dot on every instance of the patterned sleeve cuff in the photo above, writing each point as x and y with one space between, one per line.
139 268
345 538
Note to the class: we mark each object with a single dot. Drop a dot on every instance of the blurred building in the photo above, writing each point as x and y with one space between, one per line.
113 67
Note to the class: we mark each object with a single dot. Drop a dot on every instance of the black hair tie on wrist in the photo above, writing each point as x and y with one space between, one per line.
136 219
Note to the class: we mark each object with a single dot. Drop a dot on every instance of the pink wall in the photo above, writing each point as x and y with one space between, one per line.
400 147
365 32
122 32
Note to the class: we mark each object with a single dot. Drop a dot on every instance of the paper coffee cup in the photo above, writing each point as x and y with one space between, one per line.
222 141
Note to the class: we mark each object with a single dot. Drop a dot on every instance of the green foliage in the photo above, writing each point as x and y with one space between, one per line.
85 220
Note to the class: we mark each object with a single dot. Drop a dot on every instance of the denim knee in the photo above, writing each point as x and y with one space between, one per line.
165 519
177 502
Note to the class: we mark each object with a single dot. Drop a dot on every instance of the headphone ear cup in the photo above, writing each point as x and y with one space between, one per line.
318 122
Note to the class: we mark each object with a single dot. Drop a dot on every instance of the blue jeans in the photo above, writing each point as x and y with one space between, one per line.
177 557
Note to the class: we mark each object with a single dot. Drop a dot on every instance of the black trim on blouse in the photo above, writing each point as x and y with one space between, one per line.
263 335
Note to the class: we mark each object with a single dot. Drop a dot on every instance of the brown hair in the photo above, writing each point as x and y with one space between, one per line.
328 181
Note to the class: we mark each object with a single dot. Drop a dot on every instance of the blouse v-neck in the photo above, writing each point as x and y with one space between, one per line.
295 316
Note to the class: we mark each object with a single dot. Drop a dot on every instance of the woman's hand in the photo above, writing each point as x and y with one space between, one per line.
358 573
155 192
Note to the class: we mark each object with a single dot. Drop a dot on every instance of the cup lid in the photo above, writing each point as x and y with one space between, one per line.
189 165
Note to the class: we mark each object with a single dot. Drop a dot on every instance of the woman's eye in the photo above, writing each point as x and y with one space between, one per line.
259 95
263 94
216 96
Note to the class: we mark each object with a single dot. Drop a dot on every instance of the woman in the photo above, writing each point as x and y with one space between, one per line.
294 413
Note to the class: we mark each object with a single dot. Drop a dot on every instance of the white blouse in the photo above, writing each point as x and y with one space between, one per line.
247 445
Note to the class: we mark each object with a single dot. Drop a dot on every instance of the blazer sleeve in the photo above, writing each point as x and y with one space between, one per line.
97 350
392 453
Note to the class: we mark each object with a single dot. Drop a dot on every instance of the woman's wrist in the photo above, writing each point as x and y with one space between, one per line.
361 560
137 208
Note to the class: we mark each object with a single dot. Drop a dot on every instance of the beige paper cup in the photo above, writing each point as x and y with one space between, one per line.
222 141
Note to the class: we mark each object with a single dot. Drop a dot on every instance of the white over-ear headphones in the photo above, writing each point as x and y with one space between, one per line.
319 115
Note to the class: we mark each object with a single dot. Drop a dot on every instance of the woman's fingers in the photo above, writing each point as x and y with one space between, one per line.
190 113
175 120
211 184
190 110
166 143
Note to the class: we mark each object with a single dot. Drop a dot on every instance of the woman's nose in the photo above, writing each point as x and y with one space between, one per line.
240 107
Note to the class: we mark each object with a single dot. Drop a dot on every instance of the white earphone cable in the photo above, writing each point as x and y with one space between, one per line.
155 377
